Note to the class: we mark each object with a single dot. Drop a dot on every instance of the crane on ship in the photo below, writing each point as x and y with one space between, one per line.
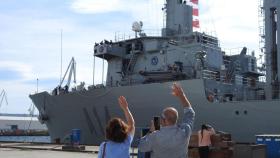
71 69
3 95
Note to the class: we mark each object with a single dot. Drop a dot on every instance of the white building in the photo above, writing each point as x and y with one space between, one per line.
21 123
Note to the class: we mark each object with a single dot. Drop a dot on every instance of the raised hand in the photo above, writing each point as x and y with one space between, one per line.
177 90
129 118
123 103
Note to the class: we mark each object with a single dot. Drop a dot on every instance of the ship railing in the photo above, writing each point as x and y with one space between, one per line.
211 46
210 41
208 74
87 87
236 51
206 41
244 80
153 32
133 81
119 36
125 82
214 75
75 88
211 33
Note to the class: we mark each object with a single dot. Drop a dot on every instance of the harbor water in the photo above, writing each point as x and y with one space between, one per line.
35 139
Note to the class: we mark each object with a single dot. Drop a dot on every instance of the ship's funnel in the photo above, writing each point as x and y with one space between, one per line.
179 18
272 36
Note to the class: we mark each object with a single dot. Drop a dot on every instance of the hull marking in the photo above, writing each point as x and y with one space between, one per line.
89 122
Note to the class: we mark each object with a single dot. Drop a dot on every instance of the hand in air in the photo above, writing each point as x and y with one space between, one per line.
122 102
177 90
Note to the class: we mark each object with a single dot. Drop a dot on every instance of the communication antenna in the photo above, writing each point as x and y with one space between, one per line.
37 84
103 69
61 32
164 10
93 70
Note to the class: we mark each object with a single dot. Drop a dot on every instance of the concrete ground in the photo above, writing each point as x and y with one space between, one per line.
19 153
36 150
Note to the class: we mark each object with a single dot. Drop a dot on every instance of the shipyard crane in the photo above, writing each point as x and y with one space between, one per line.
72 70
3 96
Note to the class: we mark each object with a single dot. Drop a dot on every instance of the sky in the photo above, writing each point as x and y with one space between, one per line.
30 37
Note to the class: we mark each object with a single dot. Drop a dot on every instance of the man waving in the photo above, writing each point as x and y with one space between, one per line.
172 139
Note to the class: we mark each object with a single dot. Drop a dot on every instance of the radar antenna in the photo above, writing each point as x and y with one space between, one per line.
137 27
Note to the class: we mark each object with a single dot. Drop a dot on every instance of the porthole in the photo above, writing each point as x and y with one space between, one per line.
237 112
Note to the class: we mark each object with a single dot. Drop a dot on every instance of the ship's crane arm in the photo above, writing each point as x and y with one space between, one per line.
3 96
72 68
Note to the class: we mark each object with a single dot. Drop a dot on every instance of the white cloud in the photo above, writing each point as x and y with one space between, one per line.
235 22
96 6
148 11
23 69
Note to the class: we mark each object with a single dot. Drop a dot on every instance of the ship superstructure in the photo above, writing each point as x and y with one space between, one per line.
181 54
225 90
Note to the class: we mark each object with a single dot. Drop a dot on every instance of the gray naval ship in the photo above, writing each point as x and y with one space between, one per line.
226 91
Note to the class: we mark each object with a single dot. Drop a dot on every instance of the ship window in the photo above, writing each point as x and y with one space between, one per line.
245 112
139 45
128 48
237 112
253 64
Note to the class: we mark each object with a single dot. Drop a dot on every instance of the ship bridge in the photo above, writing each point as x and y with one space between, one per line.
108 50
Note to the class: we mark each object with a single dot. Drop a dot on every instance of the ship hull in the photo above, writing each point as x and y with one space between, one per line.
90 110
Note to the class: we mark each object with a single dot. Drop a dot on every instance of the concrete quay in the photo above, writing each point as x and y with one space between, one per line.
27 150
21 153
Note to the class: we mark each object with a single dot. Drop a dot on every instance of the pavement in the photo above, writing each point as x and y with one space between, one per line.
21 153
29 150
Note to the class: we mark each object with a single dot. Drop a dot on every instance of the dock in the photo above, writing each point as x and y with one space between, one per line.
45 150
20 153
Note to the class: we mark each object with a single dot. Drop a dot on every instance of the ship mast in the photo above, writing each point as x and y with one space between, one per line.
272 47
61 32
